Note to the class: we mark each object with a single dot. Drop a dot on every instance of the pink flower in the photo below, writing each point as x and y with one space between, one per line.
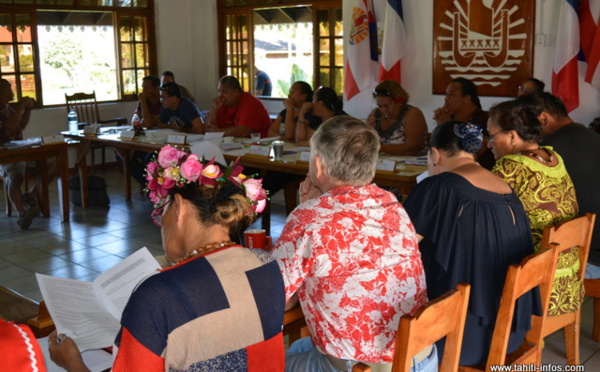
151 169
168 183
253 188
153 184
236 176
260 205
191 168
210 173
169 156
171 173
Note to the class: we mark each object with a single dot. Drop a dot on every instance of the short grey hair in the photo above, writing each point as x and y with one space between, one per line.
348 149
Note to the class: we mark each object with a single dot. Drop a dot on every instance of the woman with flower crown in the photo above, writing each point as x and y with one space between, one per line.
471 227
220 306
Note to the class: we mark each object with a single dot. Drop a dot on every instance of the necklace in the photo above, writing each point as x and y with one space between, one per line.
206 248
537 156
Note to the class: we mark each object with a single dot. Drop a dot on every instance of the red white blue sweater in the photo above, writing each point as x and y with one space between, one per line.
222 311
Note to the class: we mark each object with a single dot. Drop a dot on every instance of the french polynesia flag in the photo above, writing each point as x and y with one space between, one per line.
394 42
565 76
360 70
589 19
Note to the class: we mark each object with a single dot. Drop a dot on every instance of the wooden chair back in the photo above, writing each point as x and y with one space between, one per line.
86 107
536 270
574 233
443 317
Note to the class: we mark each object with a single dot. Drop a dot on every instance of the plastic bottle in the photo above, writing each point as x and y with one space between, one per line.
73 122
135 121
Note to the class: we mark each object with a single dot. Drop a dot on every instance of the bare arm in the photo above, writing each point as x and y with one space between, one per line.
66 353
238 131
274 128
211 121
302 134
22 114
415 128
292 302
197 126
290 121
148 120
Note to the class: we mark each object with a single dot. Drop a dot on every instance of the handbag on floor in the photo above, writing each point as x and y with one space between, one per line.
97 195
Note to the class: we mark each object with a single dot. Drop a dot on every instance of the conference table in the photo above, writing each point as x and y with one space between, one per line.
402 177
40 154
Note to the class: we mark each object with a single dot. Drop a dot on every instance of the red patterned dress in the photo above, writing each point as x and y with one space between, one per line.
352 256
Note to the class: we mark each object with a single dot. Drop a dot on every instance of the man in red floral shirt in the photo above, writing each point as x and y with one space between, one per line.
349 254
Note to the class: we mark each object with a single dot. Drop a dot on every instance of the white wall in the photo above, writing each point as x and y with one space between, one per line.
186 32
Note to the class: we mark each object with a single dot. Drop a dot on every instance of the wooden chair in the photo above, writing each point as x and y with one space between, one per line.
294 325
574 233
536 270
17 308
86 107
443 317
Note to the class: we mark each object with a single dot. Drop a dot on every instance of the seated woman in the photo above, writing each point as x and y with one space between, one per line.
401 127
285 125
325 105
472 226
540 179
220 307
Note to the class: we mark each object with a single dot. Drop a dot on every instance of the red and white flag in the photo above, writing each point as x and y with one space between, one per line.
394 42
589 26
360 70
565 76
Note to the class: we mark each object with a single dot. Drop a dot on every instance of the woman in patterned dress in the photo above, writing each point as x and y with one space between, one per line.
540 179
401 127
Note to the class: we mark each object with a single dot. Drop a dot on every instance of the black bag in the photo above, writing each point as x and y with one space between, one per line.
97 195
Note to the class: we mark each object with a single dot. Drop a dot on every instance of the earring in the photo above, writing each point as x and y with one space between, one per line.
512 143
434 164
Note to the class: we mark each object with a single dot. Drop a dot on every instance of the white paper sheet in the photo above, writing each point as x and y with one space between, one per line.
90 312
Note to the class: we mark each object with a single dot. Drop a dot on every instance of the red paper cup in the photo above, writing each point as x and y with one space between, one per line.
257 239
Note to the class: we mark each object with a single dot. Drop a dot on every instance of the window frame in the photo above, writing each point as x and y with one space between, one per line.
117 12
227 8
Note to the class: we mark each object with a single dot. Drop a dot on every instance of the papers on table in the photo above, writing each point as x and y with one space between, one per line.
90 312
21 144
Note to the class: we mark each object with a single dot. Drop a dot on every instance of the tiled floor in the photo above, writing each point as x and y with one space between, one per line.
96 239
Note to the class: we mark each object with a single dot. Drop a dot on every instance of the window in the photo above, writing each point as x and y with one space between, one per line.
289 40
47 49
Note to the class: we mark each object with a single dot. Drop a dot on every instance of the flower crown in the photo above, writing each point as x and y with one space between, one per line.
174 168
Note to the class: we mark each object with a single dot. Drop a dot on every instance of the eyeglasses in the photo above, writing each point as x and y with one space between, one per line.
491 136
381 93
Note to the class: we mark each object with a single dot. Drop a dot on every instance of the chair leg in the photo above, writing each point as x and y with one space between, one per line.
266 218
8 203
596 329
103 149
572 332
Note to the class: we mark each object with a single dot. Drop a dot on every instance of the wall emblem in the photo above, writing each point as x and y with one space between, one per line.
486 41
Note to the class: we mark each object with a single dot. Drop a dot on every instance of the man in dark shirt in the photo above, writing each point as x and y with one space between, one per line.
178 112
580 149
263 84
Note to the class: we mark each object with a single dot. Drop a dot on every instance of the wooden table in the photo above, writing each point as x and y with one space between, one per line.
403 178
40 154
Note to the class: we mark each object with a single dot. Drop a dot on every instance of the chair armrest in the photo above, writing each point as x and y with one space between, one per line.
117 121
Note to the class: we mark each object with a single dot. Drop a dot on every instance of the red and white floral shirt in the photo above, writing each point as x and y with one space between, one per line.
352 256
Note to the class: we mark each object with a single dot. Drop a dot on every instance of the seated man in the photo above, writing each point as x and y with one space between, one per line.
580 149
149 107
179 112
237 113
168 77
13 119
349 254
263 86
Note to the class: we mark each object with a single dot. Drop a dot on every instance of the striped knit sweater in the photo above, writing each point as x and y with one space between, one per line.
222 311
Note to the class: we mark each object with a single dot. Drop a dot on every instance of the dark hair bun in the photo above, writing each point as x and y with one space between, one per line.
470 137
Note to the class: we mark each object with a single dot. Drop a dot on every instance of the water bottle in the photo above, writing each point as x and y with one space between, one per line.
73 122
137 126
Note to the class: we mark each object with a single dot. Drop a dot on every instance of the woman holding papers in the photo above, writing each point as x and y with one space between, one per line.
472 226
220 306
